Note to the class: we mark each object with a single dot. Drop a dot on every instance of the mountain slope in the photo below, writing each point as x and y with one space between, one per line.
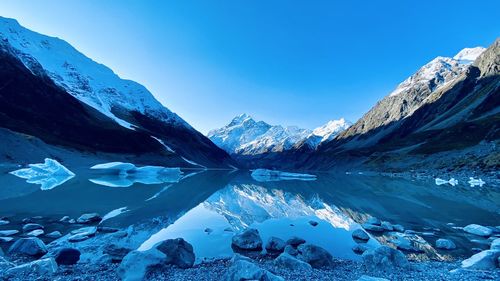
444 118
53 92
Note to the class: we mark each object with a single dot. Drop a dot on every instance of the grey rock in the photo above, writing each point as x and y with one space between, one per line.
313 223
387 226
407 243
314 255
374 221
89 218
360 235
136 265
445 244
4 222
495 245
8 232
248 240
485 260
477 229
288 261
372 227
384 258
78 238
289 249
106 229
65 219
275 245
35 233
359 249
116 253
54 234
295 241
67 256
28 246
398 228
6 239
31 226
44 267
208 230
178 252
244 270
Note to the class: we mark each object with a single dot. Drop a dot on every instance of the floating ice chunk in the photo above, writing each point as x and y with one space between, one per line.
263 175
120 174
48 174
474 182
452 181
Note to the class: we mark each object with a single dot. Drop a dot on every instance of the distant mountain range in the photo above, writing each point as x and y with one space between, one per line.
54 93
244 136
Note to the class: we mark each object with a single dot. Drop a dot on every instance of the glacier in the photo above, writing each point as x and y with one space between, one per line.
263 175
49 174
119 174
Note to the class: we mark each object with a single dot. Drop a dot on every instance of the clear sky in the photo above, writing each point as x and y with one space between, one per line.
282 61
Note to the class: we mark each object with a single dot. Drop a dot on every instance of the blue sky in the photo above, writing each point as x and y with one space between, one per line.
286 62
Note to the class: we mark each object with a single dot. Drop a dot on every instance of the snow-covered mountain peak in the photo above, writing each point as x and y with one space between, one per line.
85 79
328 131
469 55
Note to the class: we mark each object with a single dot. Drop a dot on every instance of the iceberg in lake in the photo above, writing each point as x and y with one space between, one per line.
119 174
474 182
263 175
48 174
452 181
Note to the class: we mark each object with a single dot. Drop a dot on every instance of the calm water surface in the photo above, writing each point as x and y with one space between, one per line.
207 207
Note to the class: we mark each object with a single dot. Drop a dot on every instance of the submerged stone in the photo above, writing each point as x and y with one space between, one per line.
248 240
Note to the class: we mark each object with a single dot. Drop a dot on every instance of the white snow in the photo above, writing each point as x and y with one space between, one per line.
85 79
441 69
192 162
164 144
263 175
452 181
114 213
48 174
244 135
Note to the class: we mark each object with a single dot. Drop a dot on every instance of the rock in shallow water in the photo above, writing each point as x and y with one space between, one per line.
35 233
28 246
495 245
288 261
295 241
248 240
54 234
67 256
387 226
372 227
359 249
374 221
6 239
360 235
445 244
178 252
314 255
89 218
477 229
31 226
275 245
245 270
384 258
8 232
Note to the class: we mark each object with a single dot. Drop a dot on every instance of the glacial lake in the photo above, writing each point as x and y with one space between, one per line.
207 207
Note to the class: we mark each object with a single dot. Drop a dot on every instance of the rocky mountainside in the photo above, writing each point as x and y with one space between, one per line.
244 136
52 92
446 115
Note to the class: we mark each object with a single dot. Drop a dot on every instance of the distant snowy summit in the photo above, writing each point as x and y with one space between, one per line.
245 136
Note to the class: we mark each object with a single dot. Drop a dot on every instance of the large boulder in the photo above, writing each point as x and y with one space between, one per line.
67 256
245 270
116 253
89 218
295 241
483 260
495 244
31 226
359 248
288 261
374 221
360 235
28 246
445 244
384 258
314 255
40 268
275 245
479 230
136 264
178 252
248 240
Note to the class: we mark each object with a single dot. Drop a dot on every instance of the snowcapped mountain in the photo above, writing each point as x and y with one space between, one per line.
56 83
245 136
